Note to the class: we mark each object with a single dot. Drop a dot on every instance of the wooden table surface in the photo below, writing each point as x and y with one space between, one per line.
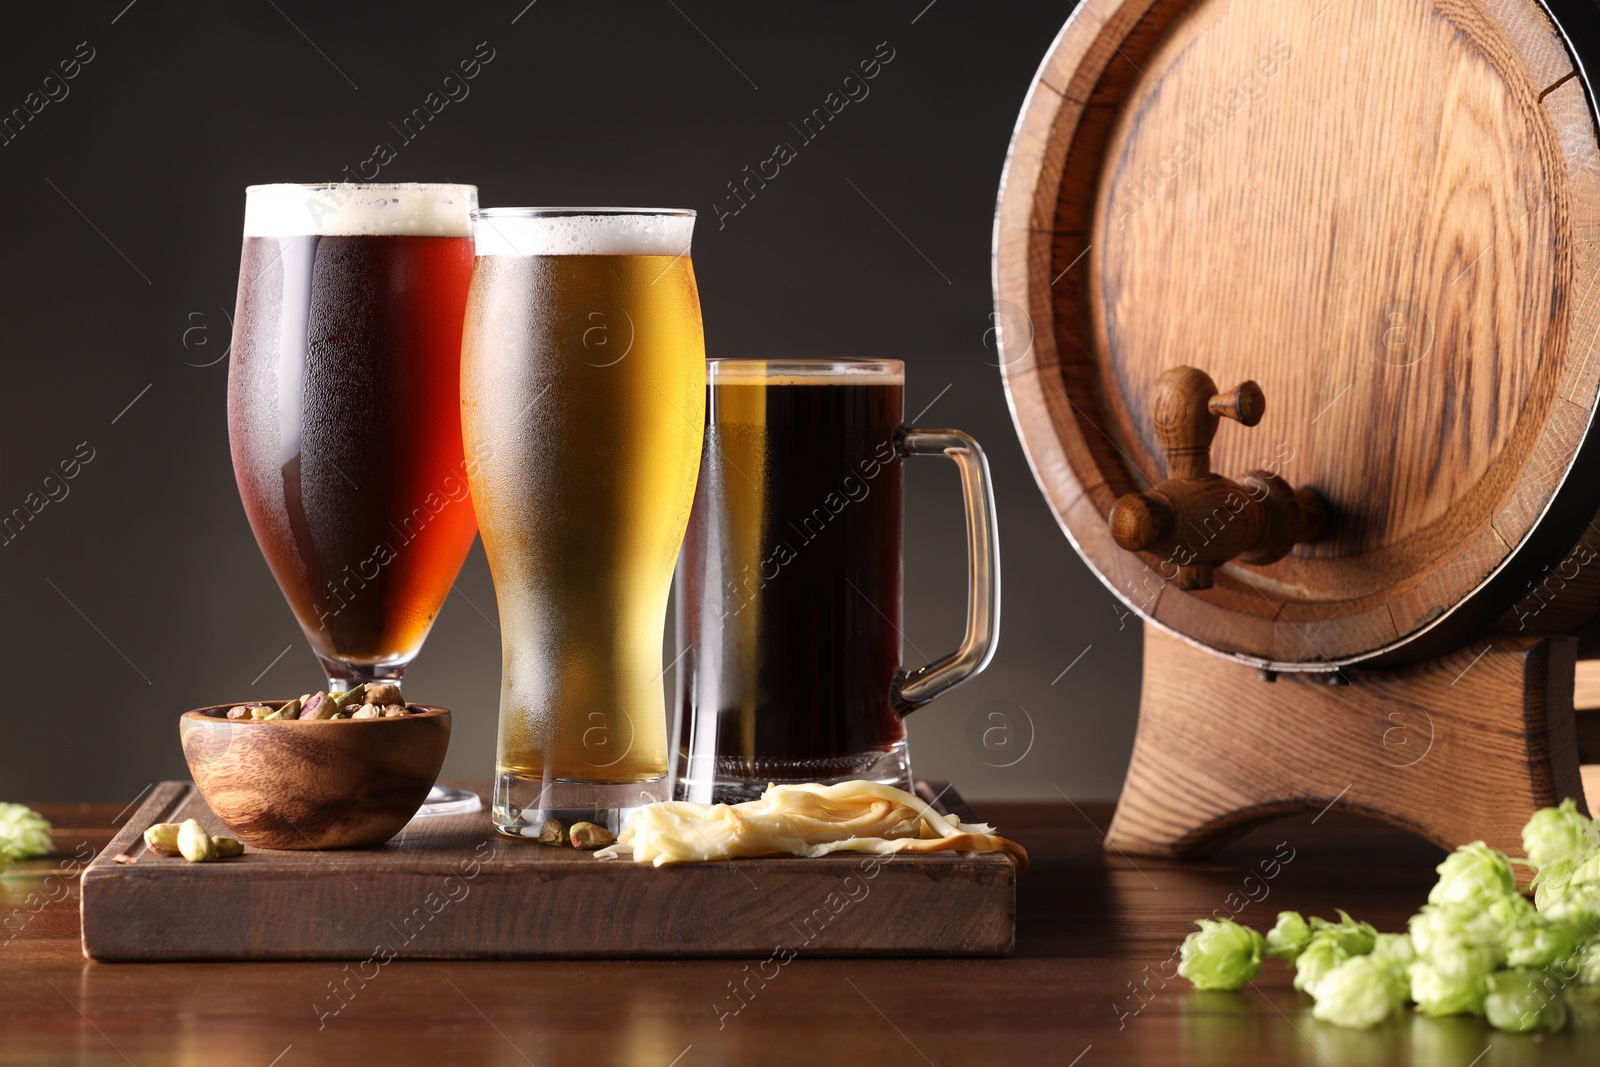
1089 985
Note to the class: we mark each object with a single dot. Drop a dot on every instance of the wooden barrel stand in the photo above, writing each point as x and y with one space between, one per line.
1457 748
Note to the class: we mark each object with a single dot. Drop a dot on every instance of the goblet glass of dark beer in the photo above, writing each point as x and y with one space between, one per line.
789 589
344 414
583 399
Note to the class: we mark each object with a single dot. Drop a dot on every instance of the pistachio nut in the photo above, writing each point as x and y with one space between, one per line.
162 838
587 835
393 711
291 710
381 693
241 711
195 843
259 712
553 833
227 847
367 711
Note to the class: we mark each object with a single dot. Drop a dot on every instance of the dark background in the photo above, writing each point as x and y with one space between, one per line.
141 593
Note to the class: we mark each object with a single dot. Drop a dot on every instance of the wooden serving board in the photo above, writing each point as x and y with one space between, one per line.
453 888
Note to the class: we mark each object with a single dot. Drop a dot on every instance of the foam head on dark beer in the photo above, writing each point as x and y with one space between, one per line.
396 209
583 232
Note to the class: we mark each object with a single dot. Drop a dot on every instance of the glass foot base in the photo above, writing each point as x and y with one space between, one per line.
733 780
523 805
443 800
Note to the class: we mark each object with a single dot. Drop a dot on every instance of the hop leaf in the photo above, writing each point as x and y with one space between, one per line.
1221 954
23 832
1520 1001
1473 874
1359 993
1554 833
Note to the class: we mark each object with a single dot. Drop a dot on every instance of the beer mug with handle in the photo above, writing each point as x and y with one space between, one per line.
789 589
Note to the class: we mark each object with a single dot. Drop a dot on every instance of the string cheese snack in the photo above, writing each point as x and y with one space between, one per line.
802 820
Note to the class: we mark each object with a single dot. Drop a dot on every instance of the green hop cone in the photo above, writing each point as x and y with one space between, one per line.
1320 958
1356 938
1289 937
1551 882
1437 993
1359 993
1539 943
1555 833
1330 945
1568 890
1394 951
23 833
1474 875
1502 915
1221 954
1457 949
1457 941
1521 1001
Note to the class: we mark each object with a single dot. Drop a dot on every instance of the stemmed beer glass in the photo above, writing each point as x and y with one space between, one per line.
344 414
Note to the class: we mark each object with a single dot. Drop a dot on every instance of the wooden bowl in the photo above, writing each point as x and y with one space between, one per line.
318 784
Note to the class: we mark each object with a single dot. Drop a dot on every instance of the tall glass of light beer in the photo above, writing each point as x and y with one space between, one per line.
582 401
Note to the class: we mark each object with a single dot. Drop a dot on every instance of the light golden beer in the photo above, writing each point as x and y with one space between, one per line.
583 391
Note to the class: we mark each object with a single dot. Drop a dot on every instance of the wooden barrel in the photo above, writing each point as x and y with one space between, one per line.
1384 212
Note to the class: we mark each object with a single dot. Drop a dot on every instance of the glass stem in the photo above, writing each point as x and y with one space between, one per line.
343 677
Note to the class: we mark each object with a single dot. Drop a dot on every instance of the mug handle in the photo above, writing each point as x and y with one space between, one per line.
912 689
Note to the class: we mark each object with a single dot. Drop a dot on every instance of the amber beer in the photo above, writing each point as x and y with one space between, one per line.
583 386
343 409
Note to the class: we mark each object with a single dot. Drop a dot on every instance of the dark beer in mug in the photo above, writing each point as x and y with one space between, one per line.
793 558
789 587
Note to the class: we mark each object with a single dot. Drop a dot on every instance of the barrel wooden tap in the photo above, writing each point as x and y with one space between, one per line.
1199 519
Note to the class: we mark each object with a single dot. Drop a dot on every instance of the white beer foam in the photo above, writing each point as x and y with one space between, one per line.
406 209
577 234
